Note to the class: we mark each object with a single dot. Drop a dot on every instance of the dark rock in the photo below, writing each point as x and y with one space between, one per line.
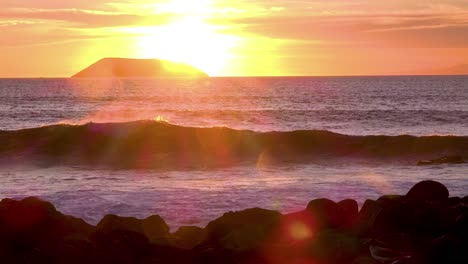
384 254
419 218
446 249
425 226
465 200
27 215
460 226
365 260
428 191
296 228
33 230
36 220
331 246
455 159
350 209
455 201
112 223
187 237
154 228
366 218
397 242
122 246
328 214
76 249
390 200
244 230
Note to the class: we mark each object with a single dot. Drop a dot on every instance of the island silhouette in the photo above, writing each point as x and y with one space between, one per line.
139 68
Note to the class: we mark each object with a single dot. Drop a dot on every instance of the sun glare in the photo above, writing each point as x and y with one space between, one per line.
188 38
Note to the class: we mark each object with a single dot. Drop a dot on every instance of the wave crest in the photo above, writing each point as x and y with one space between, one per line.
150 144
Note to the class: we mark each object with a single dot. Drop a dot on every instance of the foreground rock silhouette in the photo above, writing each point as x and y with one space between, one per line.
423 226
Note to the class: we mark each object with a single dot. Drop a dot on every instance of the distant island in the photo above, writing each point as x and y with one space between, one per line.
139 68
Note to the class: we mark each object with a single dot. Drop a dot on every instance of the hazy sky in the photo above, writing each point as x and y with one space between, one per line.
51 38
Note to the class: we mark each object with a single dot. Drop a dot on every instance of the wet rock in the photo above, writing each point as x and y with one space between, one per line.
27 215
76 249
465 200
38 222
383 254
32 230
112 223
350 209
414 217
428 191
154 227
331 246
244 230
455 201
122 246
365 260
366 218
460 226
400 244
328 214
390 200
425 226
187 237
455 159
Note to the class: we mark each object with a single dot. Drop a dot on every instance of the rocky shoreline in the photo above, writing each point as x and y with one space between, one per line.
423 226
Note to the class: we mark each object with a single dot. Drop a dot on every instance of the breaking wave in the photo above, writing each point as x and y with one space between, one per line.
153 145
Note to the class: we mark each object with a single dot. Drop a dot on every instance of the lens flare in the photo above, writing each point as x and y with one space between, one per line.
299 231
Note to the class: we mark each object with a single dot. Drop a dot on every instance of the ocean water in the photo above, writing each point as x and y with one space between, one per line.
420 106
347 105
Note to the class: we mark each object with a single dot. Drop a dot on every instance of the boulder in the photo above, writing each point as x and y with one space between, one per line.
365 260
431 191
112 223
331 246
25 216
154 228
327 213
425 210
37 220
121 246
350 209
244 230
366 218
296 228
187 237
465 200
390 200
420 219
446 249
33 229
76 249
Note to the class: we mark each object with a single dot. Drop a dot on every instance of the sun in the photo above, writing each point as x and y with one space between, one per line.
188 38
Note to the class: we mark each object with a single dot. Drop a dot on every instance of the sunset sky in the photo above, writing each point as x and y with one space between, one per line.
51 38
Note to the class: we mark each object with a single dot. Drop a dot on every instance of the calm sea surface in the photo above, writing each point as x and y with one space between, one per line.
347 105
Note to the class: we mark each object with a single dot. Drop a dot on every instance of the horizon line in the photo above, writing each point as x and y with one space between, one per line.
249 76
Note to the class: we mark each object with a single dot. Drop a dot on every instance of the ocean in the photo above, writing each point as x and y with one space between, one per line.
417 106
